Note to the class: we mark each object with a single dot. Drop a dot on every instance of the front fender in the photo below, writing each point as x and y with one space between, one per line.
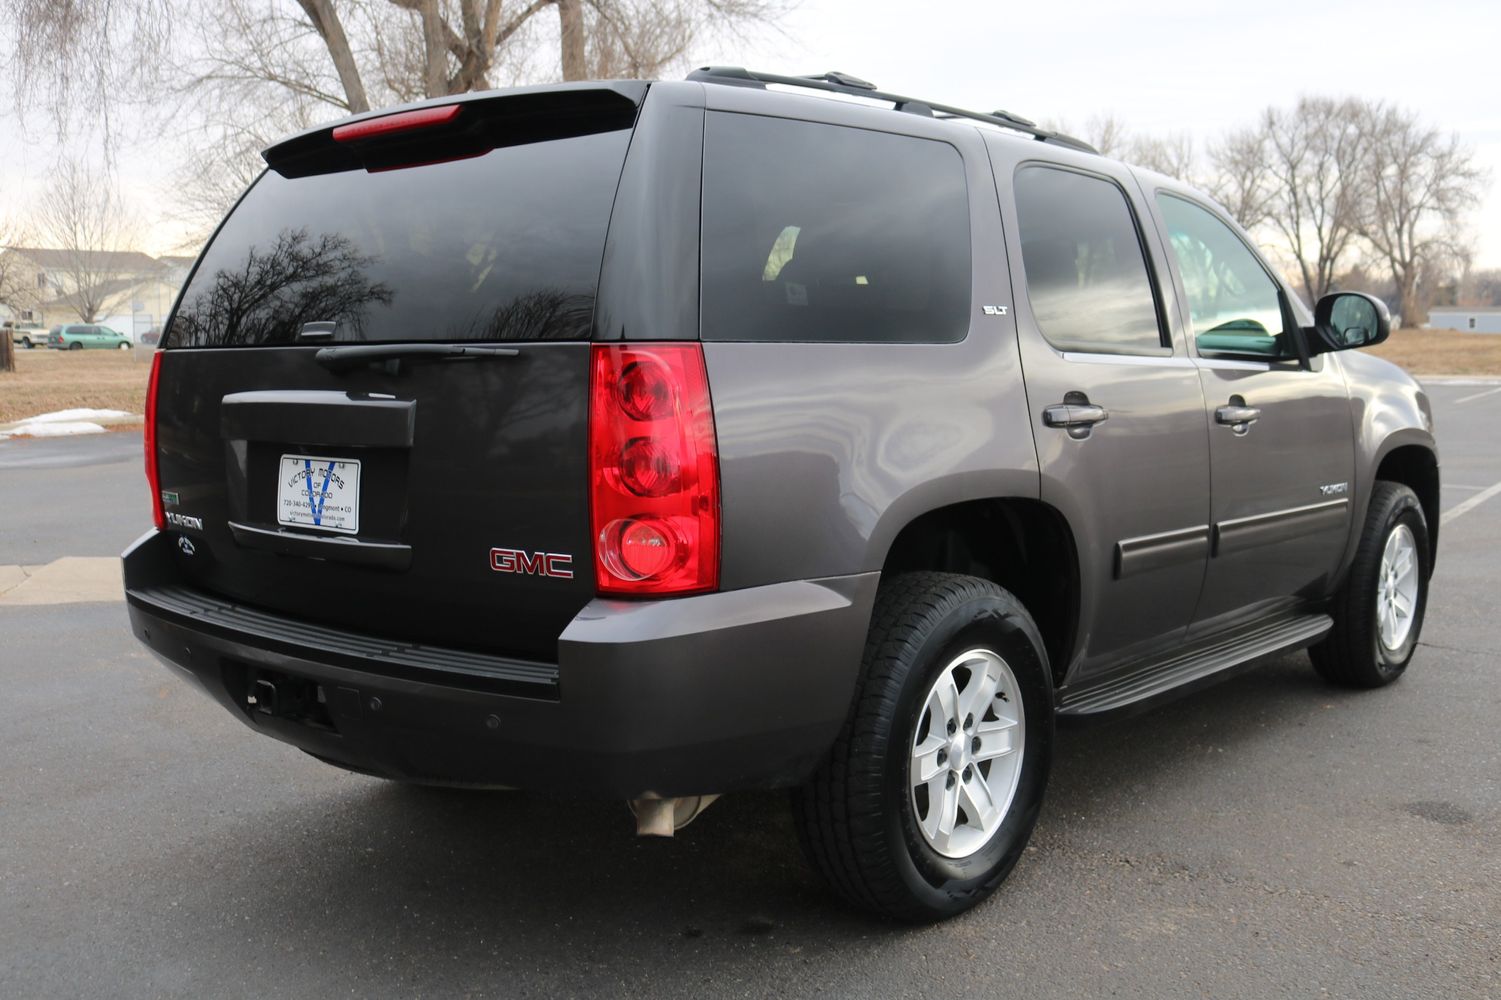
1388 410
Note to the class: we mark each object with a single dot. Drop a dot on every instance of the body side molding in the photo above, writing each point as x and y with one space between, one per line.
1279 526
1149 552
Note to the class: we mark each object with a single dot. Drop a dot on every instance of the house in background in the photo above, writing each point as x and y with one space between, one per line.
125 290
1467 319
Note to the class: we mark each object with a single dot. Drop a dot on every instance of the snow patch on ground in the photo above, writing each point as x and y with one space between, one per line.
63 423
62 428
73 416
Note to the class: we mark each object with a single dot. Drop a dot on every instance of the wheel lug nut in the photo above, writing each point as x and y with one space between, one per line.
943 757
950 782
969 772
951 727
969 723
974 745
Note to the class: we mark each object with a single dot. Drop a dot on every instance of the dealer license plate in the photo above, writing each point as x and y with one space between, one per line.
319 493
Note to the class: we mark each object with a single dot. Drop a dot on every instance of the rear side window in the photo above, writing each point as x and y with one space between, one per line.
1086 276
503 246
815 232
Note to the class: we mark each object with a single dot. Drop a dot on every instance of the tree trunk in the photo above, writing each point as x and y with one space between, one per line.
1407 295
571 25
435 77
7 352
326 21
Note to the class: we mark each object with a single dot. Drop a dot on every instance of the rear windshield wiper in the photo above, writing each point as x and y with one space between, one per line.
345 358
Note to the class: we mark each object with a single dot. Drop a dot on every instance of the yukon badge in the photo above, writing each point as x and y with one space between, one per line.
1335 489
184 520
557 565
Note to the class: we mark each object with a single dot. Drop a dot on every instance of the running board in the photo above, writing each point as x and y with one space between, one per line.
1196 667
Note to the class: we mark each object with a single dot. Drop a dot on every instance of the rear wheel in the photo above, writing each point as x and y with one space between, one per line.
26 343
1378 614
935 783
75 346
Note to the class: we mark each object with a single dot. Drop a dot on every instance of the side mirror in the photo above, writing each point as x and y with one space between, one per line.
1343 320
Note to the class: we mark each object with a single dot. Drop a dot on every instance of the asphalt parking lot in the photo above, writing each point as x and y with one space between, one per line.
1269 837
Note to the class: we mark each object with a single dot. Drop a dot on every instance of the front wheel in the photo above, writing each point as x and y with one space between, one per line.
26 343
124 346
933 787
1378 614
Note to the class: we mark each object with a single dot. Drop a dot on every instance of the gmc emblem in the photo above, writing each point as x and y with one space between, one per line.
553 564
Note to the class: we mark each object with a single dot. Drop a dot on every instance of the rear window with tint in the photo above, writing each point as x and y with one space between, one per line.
814 232
1087 278
504 246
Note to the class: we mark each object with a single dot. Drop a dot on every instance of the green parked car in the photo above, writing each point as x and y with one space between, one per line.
76 336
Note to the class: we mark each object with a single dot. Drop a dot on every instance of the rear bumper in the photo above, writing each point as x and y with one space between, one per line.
694 695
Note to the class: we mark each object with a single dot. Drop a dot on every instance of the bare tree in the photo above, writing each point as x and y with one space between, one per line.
15 289
349 55
1108 134
68 55
1171 154
83 217
441 47
1239 178
16 278
1420 183
1318 185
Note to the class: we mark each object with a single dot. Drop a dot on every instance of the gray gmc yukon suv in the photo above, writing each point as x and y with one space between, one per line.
661 440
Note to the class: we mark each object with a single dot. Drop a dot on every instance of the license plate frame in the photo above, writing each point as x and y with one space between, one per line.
307 485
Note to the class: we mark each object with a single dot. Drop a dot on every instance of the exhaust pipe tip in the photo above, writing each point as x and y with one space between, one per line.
663 817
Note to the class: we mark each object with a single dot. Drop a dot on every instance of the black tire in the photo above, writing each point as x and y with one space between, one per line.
75 346
26 343
1353 654
856 817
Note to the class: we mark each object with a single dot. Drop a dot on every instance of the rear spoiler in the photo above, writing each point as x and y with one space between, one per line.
454 128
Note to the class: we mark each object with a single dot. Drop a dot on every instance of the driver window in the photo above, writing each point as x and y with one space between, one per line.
1232 302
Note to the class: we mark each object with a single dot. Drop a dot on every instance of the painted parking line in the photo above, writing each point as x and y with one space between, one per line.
1461 509
1477 395
70 580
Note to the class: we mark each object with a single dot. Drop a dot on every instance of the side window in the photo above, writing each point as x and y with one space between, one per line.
1232 301
1086 274
824 233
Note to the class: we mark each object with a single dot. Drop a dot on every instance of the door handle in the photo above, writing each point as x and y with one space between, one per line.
1237 415
1077 418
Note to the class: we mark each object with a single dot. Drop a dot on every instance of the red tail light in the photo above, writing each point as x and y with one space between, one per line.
153 477
654 470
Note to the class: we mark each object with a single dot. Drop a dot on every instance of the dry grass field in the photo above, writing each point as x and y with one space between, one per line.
45 381
116 380
1443 352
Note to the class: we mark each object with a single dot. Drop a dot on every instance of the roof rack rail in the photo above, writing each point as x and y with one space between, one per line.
835 82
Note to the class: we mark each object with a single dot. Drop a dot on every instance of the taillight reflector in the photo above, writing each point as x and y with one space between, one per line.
402 121
654 470
153 476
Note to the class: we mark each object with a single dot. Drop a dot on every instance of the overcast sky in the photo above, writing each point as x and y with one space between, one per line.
1199 67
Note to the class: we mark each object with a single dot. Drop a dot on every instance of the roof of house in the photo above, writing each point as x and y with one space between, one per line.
174 260
1465 310
127 261
100 292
